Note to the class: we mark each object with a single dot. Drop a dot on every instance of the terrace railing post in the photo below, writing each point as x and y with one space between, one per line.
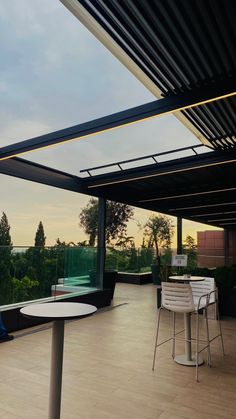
179 236
101 246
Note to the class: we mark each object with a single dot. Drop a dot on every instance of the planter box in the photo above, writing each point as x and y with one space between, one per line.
135 278
227 302
109 281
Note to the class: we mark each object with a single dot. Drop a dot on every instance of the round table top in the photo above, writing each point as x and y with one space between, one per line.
58 310
184 278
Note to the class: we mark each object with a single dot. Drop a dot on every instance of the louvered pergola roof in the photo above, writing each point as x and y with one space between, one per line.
173 47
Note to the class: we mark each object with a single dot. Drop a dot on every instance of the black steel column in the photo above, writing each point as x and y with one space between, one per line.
101 245
226 246
179 236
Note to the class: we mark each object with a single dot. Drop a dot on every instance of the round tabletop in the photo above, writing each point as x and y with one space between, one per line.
58 310
184 278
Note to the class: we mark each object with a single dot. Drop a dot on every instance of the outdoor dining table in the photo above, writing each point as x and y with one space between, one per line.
58 312
187 358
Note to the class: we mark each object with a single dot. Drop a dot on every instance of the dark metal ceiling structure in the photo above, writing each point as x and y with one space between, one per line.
35 172
178 46
200 188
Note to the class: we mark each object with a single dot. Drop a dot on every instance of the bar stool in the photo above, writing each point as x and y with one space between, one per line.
201 288
178 298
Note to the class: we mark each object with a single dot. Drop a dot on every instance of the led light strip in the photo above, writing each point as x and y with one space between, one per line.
226 224
99 131
213 213
202 206
222 219
186 195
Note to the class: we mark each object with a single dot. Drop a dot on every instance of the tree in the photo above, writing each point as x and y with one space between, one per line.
190 244
5 260
40 238
125 242
117 216
5 238
158 231
190 248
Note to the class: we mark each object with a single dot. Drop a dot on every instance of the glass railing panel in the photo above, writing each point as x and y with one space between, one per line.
39 273
81 267
146 258
26 273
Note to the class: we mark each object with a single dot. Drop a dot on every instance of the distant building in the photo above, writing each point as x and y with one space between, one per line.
211 248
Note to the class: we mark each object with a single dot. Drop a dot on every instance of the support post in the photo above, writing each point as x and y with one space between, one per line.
179 236
101 246
226 246
56 369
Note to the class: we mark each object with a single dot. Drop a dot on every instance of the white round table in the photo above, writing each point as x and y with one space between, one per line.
58 312
187 358
184 278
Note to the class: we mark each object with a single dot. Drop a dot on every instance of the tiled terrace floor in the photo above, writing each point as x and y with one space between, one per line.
107 369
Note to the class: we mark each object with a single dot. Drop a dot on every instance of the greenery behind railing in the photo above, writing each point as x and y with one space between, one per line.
129 260
28 273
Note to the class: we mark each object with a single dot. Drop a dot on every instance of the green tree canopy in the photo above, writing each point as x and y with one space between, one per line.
158 232
117 216
40 238
5 238
5 260
190 248
190 244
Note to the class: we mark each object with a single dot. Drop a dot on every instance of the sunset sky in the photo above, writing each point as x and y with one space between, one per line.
55 74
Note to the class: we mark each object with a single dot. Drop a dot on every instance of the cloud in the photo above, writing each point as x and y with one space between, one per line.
55 74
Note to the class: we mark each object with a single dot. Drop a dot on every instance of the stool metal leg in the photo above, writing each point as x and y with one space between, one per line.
208 339
197 344
173 346
155 350
219 326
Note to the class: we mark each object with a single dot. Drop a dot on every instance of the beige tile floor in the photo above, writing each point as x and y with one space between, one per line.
107 368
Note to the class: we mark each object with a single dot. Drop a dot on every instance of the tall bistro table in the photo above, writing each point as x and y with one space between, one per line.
187 358
58 312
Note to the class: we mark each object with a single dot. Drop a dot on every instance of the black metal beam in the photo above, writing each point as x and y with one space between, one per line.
179 236
226 246
34 172
101 247
158 107
138 159
178 165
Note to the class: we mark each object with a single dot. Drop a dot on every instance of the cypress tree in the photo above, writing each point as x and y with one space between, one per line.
40 238
5 260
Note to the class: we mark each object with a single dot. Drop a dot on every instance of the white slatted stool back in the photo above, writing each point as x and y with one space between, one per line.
177 297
